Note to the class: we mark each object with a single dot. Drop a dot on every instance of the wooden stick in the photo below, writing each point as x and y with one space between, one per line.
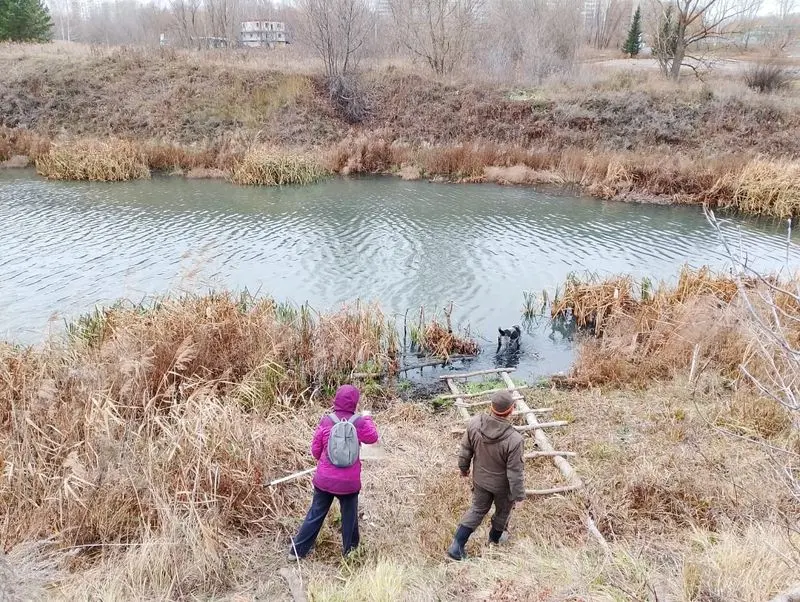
562 489
295 585
532 411
482 393
542 454
476 373
541 439
294 475
529 427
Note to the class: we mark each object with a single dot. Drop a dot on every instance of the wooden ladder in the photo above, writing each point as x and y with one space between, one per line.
533 427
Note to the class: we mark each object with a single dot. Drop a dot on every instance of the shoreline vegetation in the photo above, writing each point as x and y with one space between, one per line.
121 114
134 452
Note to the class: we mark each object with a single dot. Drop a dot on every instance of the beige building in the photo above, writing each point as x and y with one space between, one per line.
263 34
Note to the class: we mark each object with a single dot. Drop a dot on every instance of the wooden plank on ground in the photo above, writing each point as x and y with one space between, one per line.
541 439
552 490
542 454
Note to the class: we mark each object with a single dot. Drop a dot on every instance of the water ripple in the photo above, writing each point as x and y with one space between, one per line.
66 247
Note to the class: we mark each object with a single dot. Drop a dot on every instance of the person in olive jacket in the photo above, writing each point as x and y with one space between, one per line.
495 450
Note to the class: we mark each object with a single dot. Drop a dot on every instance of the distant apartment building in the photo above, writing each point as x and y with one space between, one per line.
263 34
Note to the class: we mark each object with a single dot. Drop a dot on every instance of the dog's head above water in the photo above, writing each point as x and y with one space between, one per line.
509 337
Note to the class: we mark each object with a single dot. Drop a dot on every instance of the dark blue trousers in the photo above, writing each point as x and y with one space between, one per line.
320 504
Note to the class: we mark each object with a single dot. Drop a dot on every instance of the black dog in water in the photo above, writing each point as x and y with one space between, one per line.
509 339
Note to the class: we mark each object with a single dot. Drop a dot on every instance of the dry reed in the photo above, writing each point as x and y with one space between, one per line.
96 160
645 332
766 188
267 167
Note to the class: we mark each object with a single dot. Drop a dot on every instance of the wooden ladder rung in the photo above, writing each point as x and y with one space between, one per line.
541 425
552 490
482 393
475 373
549 454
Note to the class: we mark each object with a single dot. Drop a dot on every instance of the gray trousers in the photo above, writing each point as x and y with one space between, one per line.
482 501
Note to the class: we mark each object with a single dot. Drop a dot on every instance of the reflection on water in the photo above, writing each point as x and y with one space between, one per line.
67 246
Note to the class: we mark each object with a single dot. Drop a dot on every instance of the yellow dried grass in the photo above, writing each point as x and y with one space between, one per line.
96 160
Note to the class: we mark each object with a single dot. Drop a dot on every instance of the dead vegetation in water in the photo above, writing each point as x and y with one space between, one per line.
433 338
96 160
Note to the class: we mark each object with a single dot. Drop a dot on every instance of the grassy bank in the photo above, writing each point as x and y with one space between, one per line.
614 134
133 454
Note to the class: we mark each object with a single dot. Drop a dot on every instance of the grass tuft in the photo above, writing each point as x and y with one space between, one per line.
95 160
267 167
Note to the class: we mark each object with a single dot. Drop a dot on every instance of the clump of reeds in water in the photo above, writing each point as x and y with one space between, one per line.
96 160
267 167
766 188
438 340
645 333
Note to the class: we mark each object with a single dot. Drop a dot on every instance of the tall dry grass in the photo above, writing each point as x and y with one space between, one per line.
95 160
766 187
645 332
269 167
148 414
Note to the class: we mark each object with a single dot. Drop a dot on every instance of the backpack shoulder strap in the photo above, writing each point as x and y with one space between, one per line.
352 420
333 417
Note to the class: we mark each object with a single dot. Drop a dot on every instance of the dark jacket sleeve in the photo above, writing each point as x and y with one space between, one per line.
465 453
515 471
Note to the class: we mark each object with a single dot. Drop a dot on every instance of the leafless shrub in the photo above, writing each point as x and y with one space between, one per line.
773 366
768 77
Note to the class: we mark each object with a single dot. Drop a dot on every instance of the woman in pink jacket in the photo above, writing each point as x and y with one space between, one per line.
334 482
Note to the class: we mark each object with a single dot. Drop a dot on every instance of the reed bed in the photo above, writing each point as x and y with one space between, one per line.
766 188
150 414
642 332
268 167
96 160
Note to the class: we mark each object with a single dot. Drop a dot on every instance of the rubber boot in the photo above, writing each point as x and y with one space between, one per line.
456 550
495 535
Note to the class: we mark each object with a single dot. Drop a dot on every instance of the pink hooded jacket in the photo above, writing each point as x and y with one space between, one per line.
330 478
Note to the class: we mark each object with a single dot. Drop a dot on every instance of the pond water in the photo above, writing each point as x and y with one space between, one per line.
65 247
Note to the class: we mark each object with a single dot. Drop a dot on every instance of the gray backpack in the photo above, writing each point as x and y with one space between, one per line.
343 446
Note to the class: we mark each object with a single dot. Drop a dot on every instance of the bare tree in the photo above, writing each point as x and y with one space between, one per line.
438 31
606 21
683 24
188 20
786 8
529 40
337 30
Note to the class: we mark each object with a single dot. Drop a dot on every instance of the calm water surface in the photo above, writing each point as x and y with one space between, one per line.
65 247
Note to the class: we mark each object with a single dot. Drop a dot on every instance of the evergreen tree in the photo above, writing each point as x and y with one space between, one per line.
24 21
634 42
